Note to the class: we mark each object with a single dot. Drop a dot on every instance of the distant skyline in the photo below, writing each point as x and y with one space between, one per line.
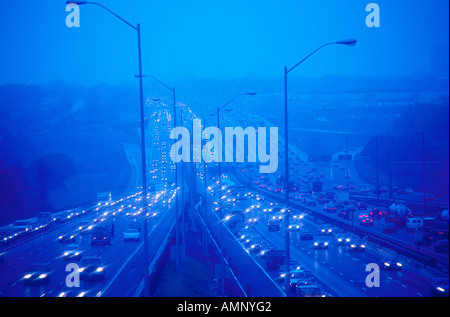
219 40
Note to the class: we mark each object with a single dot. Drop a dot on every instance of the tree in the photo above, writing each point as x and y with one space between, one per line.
50 172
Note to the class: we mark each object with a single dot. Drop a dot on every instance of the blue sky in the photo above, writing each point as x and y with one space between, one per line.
216 39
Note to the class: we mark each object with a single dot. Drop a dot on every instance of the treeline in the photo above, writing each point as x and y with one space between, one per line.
27 174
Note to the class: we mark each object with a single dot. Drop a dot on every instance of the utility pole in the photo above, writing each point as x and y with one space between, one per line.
377 167
424 164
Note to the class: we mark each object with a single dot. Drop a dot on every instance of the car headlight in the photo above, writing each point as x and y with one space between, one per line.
100 269
440 289
348 240
362 246
81 269
42 276
387 264
316 244
399 264
326 243
27 276
66 253
340 240
77 253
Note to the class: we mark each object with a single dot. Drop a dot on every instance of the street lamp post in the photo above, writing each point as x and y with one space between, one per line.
177 224
222 266
137 28
350 42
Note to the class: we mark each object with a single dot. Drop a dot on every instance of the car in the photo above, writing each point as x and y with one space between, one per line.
384 189
330 208
37 274
293 265
343 239
441 246
67 238
344 214
298 277
325 230
72 293
321 243
306 234
365 221
256 247
72 253
131 235
273 225
390 228
252 221
309 291
376 213
91 268
365 190
392 264
85 227
298 217
440 287
357 246
294 227
100 236
362 206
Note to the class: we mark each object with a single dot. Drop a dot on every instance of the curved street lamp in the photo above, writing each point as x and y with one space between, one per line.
137 28
349 42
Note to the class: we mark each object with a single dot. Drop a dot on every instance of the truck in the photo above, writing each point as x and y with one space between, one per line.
317 187
275 258
23 225
44 219
342 198
398 215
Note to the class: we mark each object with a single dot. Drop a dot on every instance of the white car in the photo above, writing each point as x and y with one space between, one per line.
131 235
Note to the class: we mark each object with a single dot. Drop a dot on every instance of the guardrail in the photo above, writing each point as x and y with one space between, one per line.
386 241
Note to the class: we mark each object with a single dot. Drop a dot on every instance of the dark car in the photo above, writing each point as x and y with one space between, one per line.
321 243
357 246
100 237
37 274
365 221
440 287
343 239
273 225
67 238
376 213
441 246
309 291
390 228
306 234
72 253
91 268
392 264
362 206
